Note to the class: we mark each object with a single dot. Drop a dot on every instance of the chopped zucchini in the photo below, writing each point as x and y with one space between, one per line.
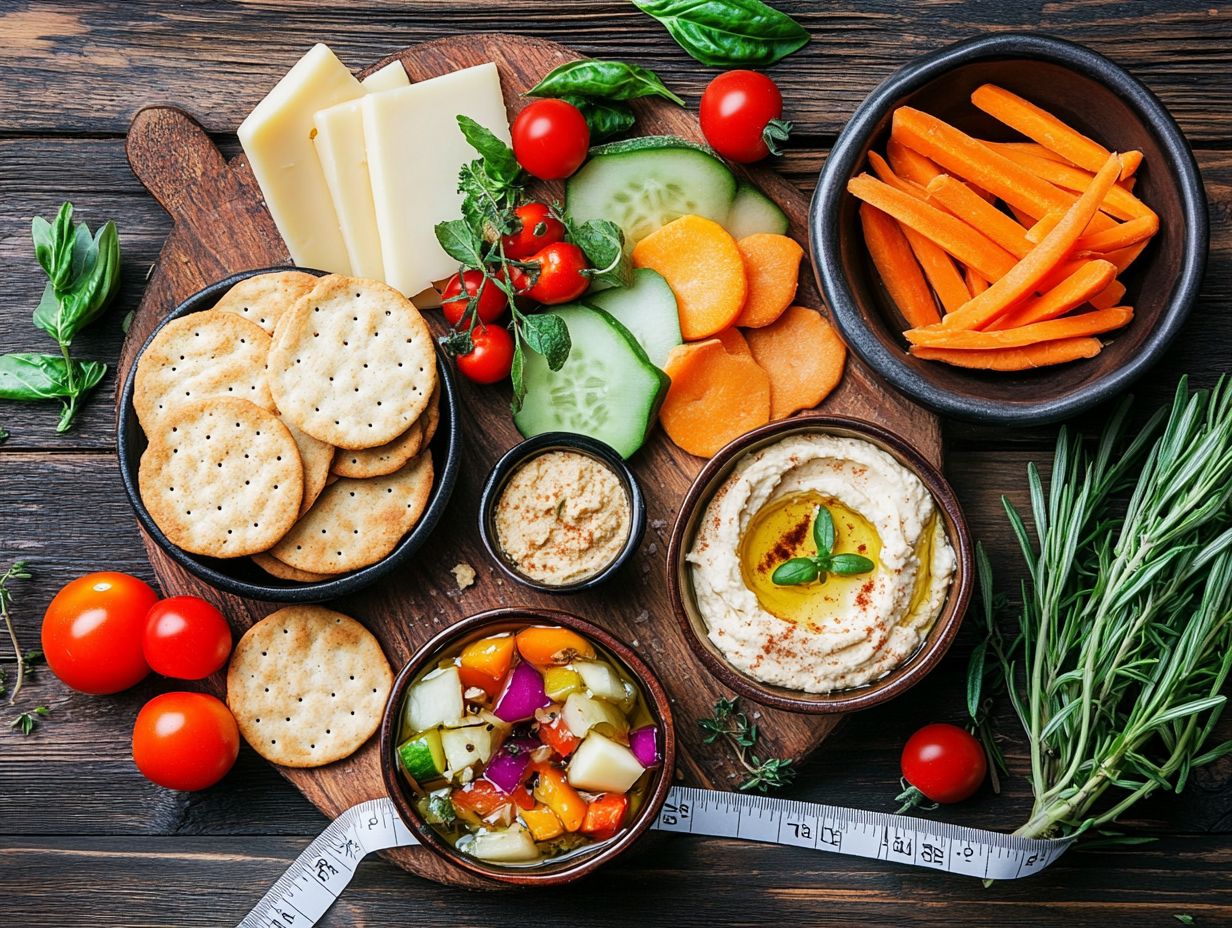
422 756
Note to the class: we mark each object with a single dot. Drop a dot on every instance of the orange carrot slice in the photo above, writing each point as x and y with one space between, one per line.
1111 295
1124 257
1046 224
1120 203
772 269
959 199
1088 281
1028 357
886 173
1042 260
975 283
803 356
965 243
1092 323
896 264
939 268
734 342
701 263
1120 236
910 165
1046 129
715 396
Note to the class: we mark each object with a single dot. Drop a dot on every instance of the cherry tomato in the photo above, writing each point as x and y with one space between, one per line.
944 762
491 302
740 113
491 358
525 242
186 638
185 741
560 274
92 632
550 139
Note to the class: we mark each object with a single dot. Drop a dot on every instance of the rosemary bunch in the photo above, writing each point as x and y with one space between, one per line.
1126 624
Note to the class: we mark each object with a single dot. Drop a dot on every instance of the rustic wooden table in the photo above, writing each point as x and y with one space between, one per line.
84 838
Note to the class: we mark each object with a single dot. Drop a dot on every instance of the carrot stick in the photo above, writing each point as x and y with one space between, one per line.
959 199
1028 357
1124 257
1046 129
1045 225
1043 259
1089 280
975 283
1122 236
939 268
1092 323
1111 296
1031 148
910 165
896 264
965 243
887 174
1024 219
1120 203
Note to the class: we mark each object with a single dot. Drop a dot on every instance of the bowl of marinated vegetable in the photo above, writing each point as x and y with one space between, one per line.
528 746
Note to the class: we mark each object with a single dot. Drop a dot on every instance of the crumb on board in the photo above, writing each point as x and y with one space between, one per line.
463 575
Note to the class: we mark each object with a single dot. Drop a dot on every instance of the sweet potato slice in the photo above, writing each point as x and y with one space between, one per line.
716 396
701 263
803 356
772 269
734 342
1026 358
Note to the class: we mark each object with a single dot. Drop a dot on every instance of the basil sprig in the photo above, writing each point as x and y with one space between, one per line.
601 90
728 33
799 570
83 274
604 120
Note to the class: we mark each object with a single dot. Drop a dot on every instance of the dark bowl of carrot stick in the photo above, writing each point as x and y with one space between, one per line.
1010 230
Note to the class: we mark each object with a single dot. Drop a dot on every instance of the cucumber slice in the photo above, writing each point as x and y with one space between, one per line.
607 389
643 184
422 755
752 211
647 309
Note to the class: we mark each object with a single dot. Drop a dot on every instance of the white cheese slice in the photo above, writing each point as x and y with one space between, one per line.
415 150
339 142
277 137
390 77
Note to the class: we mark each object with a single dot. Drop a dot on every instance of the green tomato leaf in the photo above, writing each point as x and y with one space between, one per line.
823 531
728 33
604 119
547 334
795 571
498 159
846 565
602 80
460 242
776 132
603 243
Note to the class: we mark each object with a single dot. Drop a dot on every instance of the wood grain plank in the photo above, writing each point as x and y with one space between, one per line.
88 66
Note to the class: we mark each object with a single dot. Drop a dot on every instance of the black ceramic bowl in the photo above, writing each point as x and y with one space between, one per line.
541 444
1096 97
241 576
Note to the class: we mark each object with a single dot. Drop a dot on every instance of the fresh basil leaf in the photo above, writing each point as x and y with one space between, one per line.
795 571
603 243
604 119
517 376
45 377
4 435
459 241
728 33
547 334
823 531
84 255
53 245
62 313
498 158
602 80
846 565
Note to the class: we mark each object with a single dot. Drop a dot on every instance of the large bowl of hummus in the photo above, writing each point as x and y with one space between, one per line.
820 564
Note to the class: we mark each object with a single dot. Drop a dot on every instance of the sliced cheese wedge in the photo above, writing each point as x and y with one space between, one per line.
390 77
277 137
415 150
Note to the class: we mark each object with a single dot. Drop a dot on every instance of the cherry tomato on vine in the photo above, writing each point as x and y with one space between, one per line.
185 741
461 287
550 139
944 762
491 358
92 632
186 638
560 274
740 113
539 228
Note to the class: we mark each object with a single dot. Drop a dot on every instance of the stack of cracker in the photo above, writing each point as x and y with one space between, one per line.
291 424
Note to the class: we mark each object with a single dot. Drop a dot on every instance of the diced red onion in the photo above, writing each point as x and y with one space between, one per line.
505 770
644 743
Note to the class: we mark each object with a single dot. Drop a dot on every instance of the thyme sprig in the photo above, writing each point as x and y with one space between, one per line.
734 726
18 571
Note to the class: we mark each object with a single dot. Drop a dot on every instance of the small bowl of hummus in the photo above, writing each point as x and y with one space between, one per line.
819 564
561 512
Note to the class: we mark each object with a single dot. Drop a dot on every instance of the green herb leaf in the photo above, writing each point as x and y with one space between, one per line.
728 33
848 565
498 158
602 80
975 680
460 242
547 334
4 435
823 531
1184 919
734 726
604 119
517 375
603 243
46 376
796 571
91 279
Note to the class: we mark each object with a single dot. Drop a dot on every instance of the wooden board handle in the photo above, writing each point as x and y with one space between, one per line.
172 155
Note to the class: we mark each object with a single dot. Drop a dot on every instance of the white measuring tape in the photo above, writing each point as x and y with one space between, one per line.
319 875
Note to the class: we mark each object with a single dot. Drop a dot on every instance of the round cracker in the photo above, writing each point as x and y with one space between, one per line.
316 456
382 460
432 415
200 356
221 477
275 568
264 298
357 522
352 363
307 686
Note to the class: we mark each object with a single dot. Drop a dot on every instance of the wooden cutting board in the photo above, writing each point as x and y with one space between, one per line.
221 226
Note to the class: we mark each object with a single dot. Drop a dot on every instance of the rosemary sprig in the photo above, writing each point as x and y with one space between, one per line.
1126 621
734 726
985 677
18 571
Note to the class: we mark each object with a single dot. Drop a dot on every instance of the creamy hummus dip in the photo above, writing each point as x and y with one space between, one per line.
562 517
846 631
